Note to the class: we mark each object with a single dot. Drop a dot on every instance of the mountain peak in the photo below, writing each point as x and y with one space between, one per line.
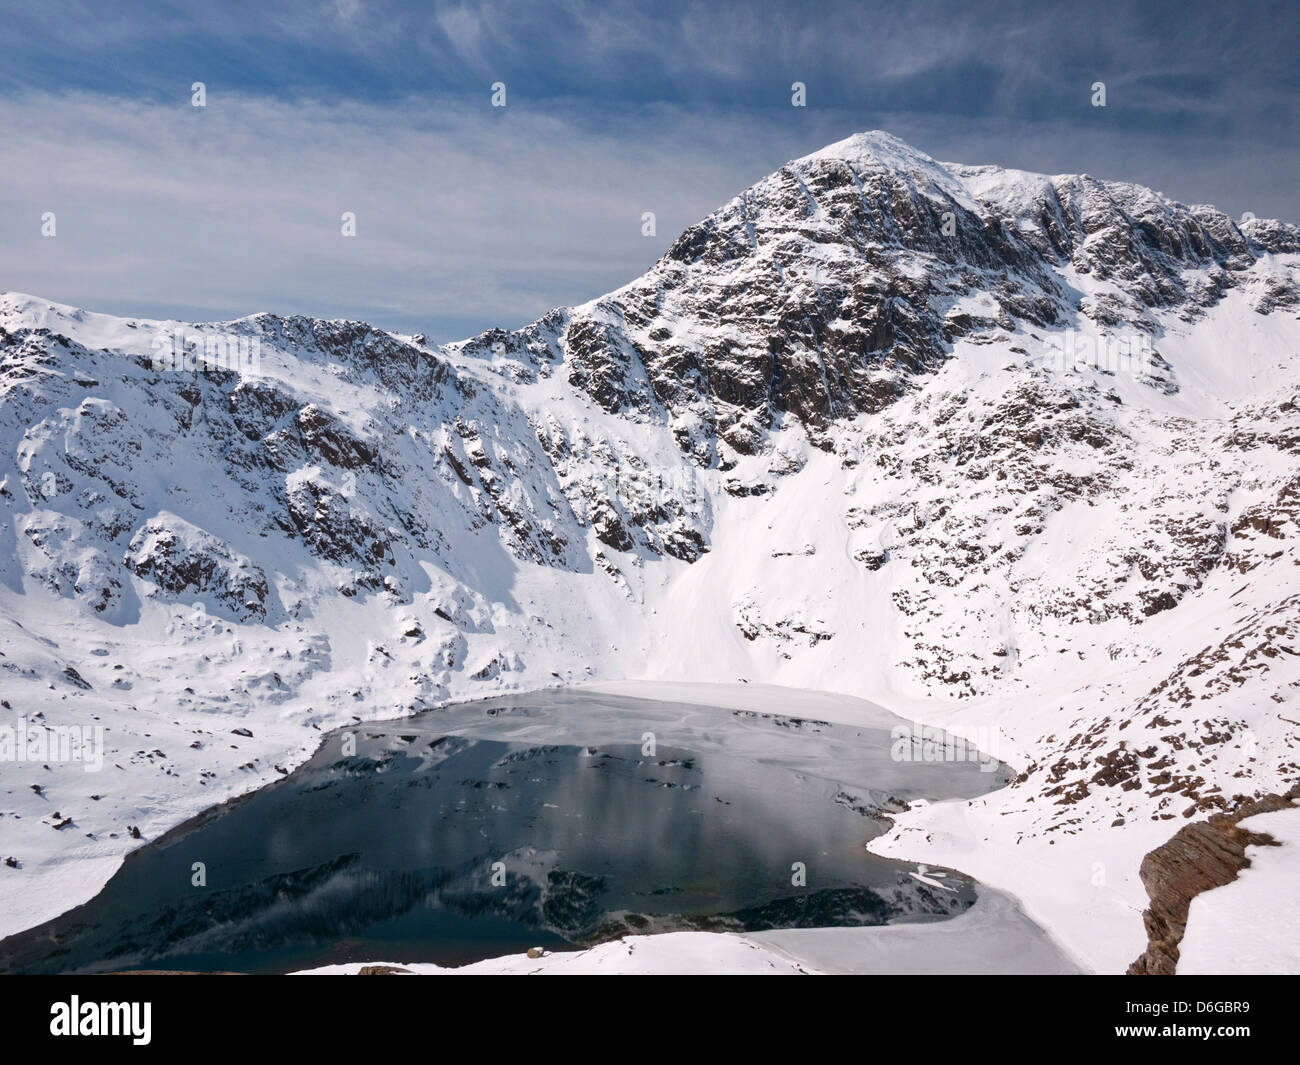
877 151
838 283
875 147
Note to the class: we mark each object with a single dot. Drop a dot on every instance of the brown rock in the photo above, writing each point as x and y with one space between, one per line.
1200 856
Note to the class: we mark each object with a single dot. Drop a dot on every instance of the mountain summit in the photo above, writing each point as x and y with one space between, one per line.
831 286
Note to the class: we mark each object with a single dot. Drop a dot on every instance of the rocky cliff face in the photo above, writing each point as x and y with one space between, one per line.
841 435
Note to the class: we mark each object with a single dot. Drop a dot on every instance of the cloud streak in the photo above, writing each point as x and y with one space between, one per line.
470 216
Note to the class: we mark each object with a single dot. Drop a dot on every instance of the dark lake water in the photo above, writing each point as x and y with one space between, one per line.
555 820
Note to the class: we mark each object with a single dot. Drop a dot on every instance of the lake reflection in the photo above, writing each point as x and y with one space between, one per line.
458 835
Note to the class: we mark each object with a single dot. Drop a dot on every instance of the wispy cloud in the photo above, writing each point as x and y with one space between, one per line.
470 216
464 219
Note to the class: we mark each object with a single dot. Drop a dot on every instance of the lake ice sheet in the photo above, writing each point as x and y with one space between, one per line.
554 819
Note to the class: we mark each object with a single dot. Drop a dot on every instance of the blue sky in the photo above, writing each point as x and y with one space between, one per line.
470 216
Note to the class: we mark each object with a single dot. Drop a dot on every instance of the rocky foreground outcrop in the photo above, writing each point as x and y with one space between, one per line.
1201 856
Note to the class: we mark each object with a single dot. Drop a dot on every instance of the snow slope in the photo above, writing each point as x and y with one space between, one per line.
989 938
828 443
670 954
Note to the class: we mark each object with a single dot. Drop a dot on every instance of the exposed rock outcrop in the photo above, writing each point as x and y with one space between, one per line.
1201 856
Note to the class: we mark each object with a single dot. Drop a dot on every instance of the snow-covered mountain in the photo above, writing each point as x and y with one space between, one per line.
998 450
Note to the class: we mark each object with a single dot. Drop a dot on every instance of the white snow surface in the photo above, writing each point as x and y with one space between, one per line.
991 938
670 954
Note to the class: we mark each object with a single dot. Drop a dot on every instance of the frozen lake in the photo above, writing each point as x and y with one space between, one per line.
556 819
